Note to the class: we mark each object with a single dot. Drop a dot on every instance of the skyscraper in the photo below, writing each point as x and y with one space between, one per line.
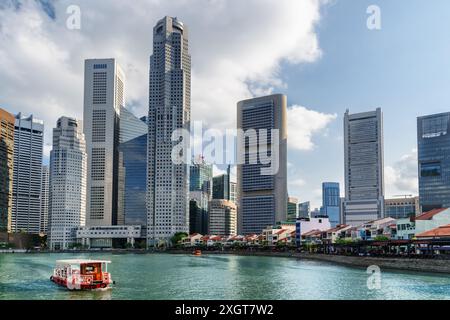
44 199
27 171
199 196
331 201
292 209
68 175
6 172
364 167
304 210
262 197
103 100
222 220
222 186
433 140
132 169
169 109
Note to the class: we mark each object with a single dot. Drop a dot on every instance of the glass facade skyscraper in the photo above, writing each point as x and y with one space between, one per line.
433 148
199 196
331 202
132 209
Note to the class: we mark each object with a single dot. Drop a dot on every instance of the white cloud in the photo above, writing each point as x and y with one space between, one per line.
236 46
401 177
303 124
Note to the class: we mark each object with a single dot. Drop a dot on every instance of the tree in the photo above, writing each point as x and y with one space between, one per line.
381 238
178 237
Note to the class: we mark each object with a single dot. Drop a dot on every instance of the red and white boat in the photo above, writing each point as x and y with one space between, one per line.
82 274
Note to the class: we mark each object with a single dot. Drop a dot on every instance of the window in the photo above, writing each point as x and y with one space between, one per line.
435 127
432 169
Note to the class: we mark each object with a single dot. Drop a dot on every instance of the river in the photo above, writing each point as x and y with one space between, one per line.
181 277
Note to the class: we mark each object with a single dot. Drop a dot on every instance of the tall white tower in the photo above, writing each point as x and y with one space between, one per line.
68 171
103 98
169 109
364 164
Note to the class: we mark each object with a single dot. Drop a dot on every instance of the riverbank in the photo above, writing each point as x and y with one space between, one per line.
403 264
441 266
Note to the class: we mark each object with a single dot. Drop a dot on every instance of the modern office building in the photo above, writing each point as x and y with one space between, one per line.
7 122
221 186
222 218
201 177
169 110
331 200
364 167
404 207
292 209
132 206
262 196
199 196
45 186
433 151
304 210
68 180
27 174
103 99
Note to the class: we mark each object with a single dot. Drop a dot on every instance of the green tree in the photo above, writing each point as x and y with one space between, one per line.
178 237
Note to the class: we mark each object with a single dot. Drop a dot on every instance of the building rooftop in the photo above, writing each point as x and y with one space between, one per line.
430 214
441 232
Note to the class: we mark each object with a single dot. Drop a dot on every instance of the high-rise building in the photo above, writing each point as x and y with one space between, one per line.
404 207
6 172
331 201
262 195
27 174
364 167
222 218
199 196
221 187
103 99
304 210
433 151
68 180
45 185
132 170
169 110
201 177
292 209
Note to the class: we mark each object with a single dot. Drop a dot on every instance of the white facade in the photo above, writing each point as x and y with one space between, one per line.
101 237
364 167
44 199
68 172
27 174
103 99
169 109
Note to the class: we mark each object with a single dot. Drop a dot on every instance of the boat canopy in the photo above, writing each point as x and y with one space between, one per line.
79 261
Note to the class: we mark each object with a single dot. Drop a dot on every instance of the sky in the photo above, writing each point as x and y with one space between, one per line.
320 53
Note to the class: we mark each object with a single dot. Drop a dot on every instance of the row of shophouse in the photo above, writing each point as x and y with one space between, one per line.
432 225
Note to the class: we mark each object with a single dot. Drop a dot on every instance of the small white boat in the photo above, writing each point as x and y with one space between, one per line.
82 274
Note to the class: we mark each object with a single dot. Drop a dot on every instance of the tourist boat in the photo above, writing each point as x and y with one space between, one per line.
197 253
82 274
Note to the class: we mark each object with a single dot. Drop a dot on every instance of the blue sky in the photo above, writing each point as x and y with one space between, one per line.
320 53
402 68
